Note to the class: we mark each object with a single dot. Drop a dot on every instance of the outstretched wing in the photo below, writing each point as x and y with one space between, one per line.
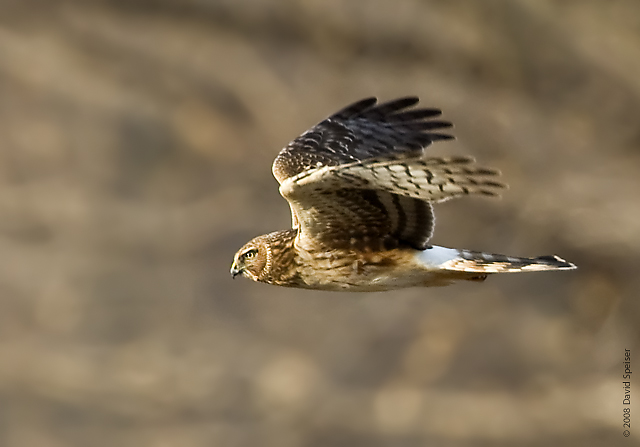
380 204
358 179
360 132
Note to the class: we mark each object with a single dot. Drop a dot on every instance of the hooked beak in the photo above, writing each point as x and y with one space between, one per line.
235 271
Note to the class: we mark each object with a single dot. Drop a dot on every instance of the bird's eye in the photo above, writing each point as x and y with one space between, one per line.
250 254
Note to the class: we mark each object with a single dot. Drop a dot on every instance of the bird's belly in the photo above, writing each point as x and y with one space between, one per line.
373 277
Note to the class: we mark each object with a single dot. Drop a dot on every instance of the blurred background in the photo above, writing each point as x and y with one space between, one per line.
136 141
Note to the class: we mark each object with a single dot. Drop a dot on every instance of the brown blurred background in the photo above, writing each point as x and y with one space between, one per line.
136 139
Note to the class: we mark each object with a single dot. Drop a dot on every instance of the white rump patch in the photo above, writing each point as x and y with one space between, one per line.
436 256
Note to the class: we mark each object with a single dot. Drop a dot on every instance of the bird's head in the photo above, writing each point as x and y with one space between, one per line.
252 260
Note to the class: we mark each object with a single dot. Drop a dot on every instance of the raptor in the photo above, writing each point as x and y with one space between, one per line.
361 190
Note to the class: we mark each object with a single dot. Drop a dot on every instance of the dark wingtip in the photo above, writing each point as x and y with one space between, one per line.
557 262
440 136
412 126
392 111
398 104
414 115
355 108
387 110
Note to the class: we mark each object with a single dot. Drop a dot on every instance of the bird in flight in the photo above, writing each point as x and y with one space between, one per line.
361 190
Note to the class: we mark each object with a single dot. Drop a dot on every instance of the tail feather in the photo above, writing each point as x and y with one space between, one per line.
441 258
477 262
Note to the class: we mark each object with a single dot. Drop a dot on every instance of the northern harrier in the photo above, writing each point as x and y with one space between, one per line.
360 191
